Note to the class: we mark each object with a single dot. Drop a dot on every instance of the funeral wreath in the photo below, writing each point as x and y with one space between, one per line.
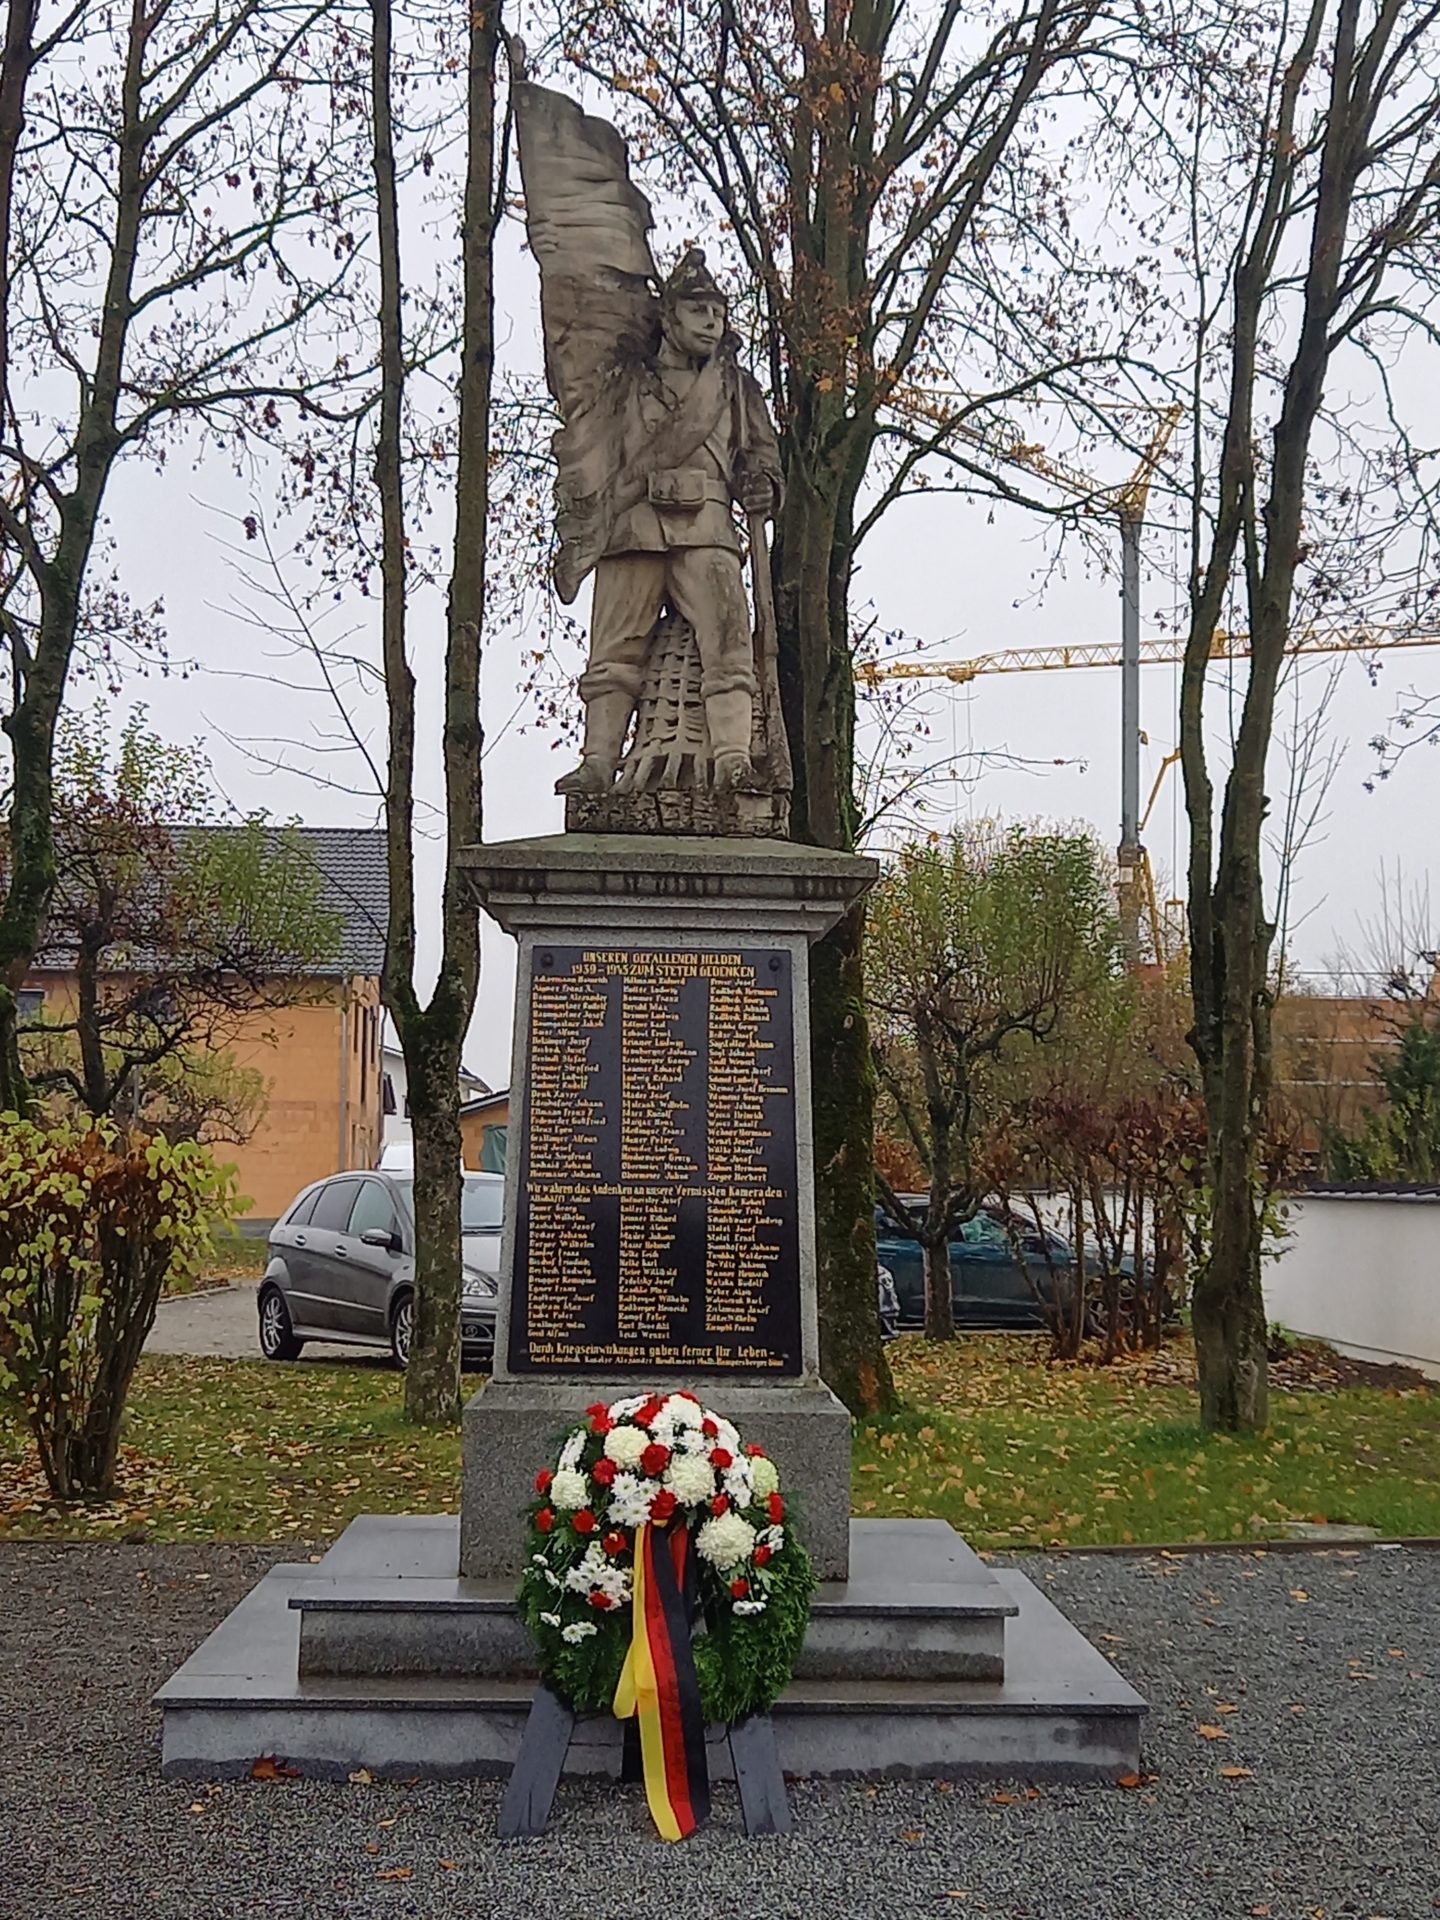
652 1475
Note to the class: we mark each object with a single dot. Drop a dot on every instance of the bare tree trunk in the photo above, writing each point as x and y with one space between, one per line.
1230 934
812 566
939 1290
433 1036
40 675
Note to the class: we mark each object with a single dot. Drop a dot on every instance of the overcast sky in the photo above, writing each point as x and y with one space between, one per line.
1037 745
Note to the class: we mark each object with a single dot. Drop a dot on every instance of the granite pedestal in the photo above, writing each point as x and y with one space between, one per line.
926 1663
598 914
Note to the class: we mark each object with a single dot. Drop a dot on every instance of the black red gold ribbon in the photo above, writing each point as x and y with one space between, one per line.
658 1686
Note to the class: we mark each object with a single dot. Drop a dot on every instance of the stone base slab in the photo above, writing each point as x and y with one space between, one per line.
1061 1712
387 1601
512 1429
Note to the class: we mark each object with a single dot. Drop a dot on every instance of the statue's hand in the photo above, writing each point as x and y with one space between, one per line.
757 493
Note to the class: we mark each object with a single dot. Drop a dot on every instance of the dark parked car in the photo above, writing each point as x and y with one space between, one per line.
342 1266
990 1288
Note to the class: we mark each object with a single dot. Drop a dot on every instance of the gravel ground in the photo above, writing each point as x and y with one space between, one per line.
1328 1660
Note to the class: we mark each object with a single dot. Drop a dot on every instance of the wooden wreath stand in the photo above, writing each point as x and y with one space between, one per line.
525 1810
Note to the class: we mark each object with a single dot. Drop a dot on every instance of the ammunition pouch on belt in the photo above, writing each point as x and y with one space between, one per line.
683 490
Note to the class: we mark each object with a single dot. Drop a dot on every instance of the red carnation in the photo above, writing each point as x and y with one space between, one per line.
545 1519
649 1411
543 1479
755 1453
720 1504
709 1429
739 1589
662 1506
721 1458
604 1471
600 1601
775 1507
584 1521
615 1543
763 1556
654 1460
596 1406
601 1422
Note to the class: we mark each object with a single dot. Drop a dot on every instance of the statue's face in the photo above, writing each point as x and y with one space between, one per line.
695 327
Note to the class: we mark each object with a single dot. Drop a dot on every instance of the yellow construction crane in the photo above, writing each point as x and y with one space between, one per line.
1225 645
1126 502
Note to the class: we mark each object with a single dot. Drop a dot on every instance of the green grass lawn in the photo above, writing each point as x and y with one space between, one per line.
1014 1453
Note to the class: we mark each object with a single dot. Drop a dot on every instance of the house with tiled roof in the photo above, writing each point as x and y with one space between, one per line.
320 1056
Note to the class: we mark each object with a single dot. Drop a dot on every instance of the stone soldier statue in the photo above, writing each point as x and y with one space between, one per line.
664 437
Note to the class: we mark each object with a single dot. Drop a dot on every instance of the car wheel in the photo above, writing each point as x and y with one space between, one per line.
277 1335
402 1323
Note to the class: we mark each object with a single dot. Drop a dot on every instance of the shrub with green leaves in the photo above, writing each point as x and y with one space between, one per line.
93 1219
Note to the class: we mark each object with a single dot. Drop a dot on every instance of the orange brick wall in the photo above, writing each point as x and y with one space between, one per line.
321 1064
473 1125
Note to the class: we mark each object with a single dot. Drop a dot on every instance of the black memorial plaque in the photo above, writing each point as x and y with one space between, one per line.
658 1224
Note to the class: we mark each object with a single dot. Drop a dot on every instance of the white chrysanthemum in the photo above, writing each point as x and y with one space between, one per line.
622 1409
726 1540
690 1440
551 1619
629 1501
624 1445
683 1410
748 1606
614 1583
571 1451
594 1569
691 1478
577 1631
569 1489
739 1483
766 1476
725 1435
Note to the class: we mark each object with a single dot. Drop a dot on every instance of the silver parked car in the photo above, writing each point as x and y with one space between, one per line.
342 1266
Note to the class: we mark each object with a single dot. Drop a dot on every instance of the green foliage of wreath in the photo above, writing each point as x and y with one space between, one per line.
743 1662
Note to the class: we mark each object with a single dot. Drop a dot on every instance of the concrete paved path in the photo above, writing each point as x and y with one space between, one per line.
221 1325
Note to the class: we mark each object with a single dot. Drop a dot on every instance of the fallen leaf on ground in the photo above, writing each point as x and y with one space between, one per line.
395 1873
448 1865
362 1777
1299 1593
1237 1773
1211 1733
267 1767
1128 1780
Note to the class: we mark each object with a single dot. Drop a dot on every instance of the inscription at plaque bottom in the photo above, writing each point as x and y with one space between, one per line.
658 1222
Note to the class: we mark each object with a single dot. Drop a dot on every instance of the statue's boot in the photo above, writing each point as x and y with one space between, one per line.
728 719
607 715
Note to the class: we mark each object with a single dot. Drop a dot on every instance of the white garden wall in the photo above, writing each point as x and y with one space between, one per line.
1362 1271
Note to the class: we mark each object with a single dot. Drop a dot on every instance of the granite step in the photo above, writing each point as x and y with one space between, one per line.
1061 1711
386 1600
